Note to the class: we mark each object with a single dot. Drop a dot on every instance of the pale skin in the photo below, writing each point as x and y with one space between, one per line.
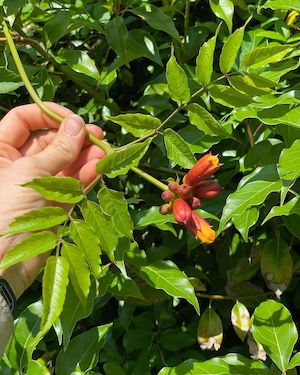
34 145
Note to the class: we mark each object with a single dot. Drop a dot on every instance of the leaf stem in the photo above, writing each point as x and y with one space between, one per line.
149 178
221 297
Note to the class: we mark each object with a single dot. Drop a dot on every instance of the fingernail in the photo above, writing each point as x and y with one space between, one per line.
73 124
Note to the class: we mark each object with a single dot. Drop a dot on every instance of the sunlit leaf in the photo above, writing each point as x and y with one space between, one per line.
210 330
178 150
137 124
240 319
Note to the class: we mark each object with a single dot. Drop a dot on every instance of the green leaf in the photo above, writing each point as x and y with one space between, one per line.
251 84
136 123
240 319
289 162
36 368
167 276
119 162
152 216
291 207
280 115
86 239
245 221
204 121
74 311
115 205
295 361
75 357
23 342
228 96
262 56
252 191
35 244
177 81
276 265
80 62
210 330
274 328
102 224
124 286
111 368
55 282
205 61
42 218
9 81
116 35
283 4
230 50
157 19
233 364
178 150
79 272
58 189
223 9
56 27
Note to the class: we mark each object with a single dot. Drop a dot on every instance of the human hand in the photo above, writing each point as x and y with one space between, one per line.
33 145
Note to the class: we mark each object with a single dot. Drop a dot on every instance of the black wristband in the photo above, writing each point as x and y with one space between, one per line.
7 294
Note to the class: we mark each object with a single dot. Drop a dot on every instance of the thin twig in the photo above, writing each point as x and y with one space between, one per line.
221 297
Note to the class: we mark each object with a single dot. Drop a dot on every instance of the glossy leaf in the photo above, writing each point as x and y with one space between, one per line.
283 4
116 34
291 207
56 27
289 162
229 364
74 311
252 85
102 225
210 330
120 162
55 282
230 50
252 191
122 286
178 150
115 205
34 244
277 265
204 121
177 81
274 328
240 319
261 56
79 273
9 81
223 9
42 218
137 124
86 239
245 221
75 358
295 361
58 189
157 19
24 340
228 96
167 276
205 61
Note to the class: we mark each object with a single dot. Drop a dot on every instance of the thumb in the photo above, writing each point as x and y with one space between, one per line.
65 147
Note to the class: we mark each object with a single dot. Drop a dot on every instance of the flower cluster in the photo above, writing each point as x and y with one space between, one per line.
183 199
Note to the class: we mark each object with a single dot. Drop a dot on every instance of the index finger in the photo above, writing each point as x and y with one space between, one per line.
15 127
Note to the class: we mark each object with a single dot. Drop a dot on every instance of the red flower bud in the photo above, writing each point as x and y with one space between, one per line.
200 228
194 203
173 186
165 209
185 191
207 189
167 196
181 211
204 168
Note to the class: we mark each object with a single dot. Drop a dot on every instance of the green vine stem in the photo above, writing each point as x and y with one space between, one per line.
105 146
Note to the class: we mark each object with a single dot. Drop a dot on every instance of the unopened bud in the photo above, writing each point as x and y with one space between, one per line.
194 203
181 211
165 209
173 186
185 191
204 168
207 189
167 196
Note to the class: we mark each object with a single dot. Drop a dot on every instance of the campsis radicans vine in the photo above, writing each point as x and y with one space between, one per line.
183 199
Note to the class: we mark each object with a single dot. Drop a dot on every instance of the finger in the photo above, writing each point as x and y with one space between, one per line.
87 174
39 141
15 127
92 152
64 149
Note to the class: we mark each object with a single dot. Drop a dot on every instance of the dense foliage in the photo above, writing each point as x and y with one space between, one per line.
168 81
